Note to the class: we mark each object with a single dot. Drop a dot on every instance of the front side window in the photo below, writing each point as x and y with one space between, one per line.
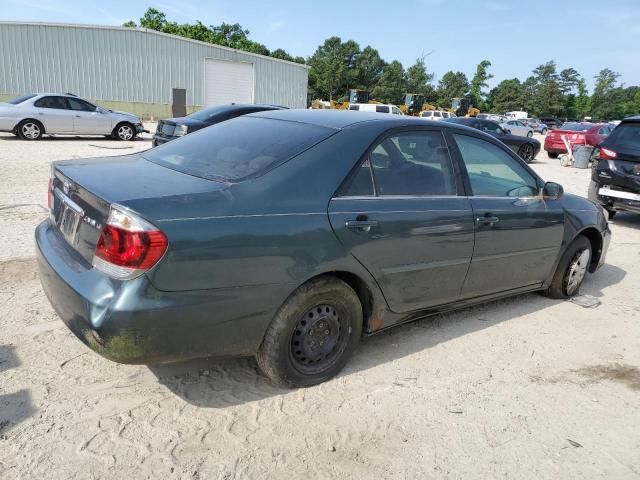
382 108
80 105
405 164
58 103
492 171
437 114
490 127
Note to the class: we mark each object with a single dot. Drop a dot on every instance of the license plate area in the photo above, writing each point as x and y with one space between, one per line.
619 194
68 216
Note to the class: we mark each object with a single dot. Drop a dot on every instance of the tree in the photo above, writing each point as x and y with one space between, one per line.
478 82
606 96
130 24
452 85
392 84
418 79
282 55
153 19
333 68
369 67
547 95
583 101
507 96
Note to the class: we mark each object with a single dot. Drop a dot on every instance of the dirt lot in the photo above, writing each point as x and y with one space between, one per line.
521 388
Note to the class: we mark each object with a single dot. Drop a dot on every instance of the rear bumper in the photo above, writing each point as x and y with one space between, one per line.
614 190
132 322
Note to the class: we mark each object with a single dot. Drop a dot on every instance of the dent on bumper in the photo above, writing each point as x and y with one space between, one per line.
132 322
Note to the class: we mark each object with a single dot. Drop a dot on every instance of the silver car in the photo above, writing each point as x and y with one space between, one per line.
32 116
516 127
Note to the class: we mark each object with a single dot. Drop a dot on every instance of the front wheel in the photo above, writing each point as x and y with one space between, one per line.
30 130
544 131
529 134
526 152
571 270
125 131
312 335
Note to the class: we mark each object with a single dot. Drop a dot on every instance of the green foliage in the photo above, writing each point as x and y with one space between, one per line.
418 79
225 34
369 67
507 96
130 24
478 82
583 101
392 85
452 85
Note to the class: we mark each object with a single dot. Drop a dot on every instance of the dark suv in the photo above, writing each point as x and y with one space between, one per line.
615 175
551 122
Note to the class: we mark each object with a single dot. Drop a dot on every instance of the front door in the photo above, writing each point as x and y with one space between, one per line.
518 235
87 119
400 216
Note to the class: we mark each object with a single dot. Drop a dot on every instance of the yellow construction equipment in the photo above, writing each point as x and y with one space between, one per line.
461 107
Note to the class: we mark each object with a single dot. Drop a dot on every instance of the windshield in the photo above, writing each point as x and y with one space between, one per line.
625 136
577 127
237 149
21 99
207 113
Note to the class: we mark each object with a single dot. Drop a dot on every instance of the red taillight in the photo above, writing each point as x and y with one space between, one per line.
606 154
124 248
128 246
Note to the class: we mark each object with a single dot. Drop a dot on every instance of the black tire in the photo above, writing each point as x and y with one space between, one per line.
564 280
611 212
125 131
321 320
30 130
544 131
529 134
553 155
526 152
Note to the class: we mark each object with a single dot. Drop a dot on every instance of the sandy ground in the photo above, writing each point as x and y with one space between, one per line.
521 388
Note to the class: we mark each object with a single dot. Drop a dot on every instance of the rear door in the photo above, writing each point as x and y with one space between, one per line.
53 111
400 215
87 119
518 235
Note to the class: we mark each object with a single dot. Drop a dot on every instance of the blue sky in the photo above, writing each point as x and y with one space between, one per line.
515 36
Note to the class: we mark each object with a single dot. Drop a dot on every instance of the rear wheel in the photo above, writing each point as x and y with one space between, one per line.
571 270
312 335
529 134
526 152
30 130
124 131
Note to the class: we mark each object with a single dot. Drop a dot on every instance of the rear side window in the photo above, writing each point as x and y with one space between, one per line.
437 114
354 107
19 100
427 114
51 102
382 108
237 149
626 136
405 164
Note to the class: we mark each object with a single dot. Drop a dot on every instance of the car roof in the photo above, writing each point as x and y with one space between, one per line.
339 119
635 118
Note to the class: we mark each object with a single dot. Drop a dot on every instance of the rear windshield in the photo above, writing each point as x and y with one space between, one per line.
625 136
18 100
237 149
577 127
207 113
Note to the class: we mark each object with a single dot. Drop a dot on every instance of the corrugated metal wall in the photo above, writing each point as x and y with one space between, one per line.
129 65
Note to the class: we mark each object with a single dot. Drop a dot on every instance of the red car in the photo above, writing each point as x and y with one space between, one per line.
578 133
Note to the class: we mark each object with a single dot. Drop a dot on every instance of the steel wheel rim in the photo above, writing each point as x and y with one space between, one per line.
526 152
318 340
30 130
125 132
577 270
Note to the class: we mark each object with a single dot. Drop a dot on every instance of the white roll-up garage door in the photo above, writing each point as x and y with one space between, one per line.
226 82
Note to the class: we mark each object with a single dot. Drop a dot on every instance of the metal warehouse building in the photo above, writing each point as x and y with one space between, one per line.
141 71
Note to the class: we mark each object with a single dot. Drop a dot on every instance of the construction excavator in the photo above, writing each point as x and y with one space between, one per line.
355 96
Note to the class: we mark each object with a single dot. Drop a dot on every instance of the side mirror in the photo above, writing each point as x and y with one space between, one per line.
552 191
101 110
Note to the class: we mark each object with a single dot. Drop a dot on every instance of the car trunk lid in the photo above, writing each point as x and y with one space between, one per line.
82 192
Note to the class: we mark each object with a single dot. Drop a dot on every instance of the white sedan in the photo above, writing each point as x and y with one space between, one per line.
516 127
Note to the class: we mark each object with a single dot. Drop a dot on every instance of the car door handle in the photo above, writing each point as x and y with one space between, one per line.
487 220
364 225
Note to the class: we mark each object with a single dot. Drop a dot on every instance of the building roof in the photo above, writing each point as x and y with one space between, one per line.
151 32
